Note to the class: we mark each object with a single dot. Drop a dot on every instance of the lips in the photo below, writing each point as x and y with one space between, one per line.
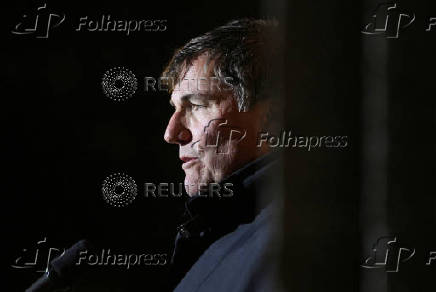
188 161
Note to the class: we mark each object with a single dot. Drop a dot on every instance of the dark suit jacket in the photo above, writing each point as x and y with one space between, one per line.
226 244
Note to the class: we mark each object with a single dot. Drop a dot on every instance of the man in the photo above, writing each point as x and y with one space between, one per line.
225 93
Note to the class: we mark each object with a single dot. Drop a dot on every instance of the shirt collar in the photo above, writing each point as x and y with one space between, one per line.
248 186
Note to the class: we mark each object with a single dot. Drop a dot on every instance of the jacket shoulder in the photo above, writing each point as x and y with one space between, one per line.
234 261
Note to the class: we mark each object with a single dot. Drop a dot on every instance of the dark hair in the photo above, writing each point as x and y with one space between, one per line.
243 50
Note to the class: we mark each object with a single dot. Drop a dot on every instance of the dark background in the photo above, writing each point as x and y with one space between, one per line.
61 137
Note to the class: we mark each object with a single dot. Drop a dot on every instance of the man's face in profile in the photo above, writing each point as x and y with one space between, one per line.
214 137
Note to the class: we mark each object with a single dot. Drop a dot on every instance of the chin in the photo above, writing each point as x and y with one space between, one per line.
191 185
194 182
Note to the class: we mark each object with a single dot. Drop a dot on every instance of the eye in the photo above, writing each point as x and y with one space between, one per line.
196 106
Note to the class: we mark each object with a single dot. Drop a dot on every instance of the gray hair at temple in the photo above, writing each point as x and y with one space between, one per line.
246 50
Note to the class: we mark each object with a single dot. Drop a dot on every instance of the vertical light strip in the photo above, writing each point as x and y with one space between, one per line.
373 206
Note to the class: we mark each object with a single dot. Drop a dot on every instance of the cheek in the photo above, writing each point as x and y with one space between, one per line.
219 150
210 136
196 124
211 129
204 130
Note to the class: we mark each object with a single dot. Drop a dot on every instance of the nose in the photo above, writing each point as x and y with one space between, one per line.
176 132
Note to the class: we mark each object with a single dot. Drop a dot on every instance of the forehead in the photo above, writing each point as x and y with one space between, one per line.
198 79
